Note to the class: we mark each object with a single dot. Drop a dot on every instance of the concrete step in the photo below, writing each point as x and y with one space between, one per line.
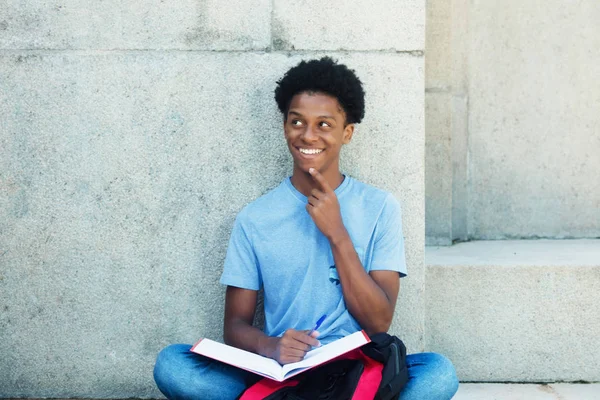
516 311
555 391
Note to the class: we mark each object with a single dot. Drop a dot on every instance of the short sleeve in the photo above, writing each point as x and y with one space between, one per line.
388 247
241 266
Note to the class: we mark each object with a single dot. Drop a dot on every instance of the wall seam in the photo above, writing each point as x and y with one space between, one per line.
414 53
271 25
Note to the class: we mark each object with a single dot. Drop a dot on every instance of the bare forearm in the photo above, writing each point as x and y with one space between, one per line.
291 347
365 300
240 334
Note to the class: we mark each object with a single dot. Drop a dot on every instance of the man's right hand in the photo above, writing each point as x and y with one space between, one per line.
238 331
293 345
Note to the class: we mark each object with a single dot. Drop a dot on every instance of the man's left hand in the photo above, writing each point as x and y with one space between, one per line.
324 208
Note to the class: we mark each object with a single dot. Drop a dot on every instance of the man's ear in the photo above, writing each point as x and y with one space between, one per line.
348 132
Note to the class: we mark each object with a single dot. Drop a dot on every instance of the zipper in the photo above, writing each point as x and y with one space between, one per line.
394 347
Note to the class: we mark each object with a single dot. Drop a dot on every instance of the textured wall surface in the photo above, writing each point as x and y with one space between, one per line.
512 152
113 24
534 126
531 96
376 25
131 135
521 311
446 124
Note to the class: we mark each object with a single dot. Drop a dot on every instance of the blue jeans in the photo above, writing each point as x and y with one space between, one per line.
181 374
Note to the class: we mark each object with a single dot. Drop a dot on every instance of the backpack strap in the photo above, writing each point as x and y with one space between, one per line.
391 352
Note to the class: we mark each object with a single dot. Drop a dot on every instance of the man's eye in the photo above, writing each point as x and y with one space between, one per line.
323 123
296 122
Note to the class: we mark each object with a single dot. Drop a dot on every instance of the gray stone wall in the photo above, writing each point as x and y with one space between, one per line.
513 137
516 310
130 136
513 152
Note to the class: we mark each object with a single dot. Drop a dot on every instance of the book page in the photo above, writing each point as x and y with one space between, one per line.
326 353
239 358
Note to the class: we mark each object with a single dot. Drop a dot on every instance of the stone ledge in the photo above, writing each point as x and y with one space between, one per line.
527 253
522 311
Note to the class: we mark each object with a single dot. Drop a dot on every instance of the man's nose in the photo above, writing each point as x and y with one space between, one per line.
310 135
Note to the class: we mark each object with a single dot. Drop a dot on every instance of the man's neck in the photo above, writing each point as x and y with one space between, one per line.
304 182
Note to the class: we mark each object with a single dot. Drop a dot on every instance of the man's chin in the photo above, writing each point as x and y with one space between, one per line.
304 167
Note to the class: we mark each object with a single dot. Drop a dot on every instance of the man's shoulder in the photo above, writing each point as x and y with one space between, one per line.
371 195
366 188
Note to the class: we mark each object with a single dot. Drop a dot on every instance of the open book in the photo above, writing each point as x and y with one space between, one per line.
272 369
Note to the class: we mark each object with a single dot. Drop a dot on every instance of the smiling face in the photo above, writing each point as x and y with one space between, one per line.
315 130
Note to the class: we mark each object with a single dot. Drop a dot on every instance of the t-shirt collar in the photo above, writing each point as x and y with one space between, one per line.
338 191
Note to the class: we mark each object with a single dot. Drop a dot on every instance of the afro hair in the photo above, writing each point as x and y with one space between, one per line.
323 76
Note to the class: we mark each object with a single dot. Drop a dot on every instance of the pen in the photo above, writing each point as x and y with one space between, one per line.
318 324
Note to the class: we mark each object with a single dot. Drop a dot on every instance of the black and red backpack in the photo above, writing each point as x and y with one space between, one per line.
375 371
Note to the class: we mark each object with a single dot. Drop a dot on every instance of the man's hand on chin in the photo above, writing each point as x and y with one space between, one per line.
324 208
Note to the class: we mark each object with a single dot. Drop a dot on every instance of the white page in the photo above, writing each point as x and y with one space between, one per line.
240 358
327 352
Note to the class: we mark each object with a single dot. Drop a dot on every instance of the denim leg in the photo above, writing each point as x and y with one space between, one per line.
431 376
181 374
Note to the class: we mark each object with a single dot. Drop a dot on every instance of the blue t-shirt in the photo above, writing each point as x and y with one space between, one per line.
276 245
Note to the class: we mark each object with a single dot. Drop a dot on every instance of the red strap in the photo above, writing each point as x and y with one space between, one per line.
369 380
264 388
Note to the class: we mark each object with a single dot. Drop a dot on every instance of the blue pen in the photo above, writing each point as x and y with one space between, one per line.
318 324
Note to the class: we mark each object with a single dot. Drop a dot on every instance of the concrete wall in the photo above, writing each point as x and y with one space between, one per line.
446 102
130 136
513 152
513 132
516 310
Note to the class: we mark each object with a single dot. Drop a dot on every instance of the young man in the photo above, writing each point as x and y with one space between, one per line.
321 243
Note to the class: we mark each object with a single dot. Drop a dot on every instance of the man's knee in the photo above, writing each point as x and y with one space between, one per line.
433 377
167 368
445 372
170 356
180 374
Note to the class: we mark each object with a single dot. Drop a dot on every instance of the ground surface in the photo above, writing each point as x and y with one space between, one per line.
515 391
556 391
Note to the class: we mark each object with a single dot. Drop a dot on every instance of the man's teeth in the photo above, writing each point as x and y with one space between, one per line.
310 151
